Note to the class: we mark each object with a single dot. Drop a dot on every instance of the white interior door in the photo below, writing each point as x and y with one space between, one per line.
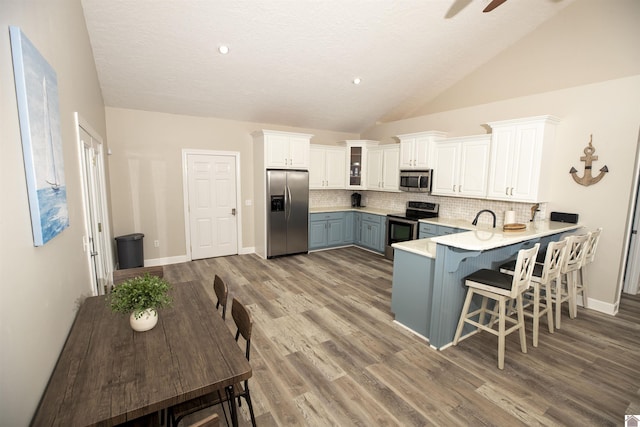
632 275
97 239
212 210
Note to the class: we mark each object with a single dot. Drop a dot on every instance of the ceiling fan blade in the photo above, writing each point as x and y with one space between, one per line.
456 7
493 5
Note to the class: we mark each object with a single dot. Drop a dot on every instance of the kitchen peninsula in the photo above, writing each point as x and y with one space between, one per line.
428 290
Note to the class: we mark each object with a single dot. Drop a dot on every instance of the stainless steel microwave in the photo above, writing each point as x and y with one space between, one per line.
416 180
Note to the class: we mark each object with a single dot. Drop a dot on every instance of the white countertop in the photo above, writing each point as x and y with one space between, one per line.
483 238
456 223
423 247
365 209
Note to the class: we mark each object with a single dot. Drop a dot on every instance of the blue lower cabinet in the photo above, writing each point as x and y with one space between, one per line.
349 227
427 230
372 230
411 295
317 234
335 231
448 230
326 230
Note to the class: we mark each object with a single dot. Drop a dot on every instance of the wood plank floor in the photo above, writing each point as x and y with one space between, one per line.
326 352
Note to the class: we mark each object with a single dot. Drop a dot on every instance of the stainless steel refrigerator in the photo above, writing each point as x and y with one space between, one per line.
287 212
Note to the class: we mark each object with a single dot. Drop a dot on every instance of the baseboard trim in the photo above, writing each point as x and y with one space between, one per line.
183 258
602 307
165 261
411 330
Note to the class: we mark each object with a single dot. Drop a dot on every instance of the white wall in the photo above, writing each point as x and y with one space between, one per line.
41 286
146 171
611 112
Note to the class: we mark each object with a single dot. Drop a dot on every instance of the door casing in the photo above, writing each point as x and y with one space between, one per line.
185 192
97 234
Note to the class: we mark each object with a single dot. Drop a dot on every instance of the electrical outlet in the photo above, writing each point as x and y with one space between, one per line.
247 202
156 243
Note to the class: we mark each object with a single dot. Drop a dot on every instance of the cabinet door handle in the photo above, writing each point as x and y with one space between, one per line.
506 191
459 188
511 194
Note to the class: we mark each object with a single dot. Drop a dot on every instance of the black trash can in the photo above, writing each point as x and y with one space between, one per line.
130 251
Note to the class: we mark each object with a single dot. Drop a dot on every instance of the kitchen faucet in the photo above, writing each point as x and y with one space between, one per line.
475 220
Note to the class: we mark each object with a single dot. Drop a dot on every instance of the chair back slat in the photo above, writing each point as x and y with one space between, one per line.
590 254
524 269
576 250
553 261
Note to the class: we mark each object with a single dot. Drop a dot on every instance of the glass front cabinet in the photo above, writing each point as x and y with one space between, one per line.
356 162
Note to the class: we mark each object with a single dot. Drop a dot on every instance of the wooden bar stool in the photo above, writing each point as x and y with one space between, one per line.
589 256
502 288
543 275
566 288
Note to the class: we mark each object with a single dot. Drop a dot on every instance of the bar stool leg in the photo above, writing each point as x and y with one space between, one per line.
536 313
583 286
523 336
549 306
558 300
483 311
463 315
573 296
501 329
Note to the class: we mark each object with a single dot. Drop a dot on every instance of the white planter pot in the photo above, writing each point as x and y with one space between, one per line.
146 321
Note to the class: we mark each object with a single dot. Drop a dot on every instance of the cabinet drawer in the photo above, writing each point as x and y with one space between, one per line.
326 216
372 218
442 230
428 228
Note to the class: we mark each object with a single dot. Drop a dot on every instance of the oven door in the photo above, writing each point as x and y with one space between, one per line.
399 230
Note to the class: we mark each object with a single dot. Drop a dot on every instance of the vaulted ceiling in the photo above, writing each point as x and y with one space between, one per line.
293 62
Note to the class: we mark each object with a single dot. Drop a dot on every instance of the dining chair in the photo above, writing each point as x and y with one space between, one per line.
221 290
544 274
211 421
502 288
244 325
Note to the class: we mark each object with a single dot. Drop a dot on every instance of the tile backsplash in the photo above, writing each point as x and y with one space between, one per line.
450 207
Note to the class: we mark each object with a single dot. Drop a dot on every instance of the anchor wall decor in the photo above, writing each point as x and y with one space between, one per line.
588 158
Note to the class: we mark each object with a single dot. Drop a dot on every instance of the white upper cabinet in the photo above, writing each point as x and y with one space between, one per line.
284 150
356 162
327 167
382 168
416 149
461 166
520 150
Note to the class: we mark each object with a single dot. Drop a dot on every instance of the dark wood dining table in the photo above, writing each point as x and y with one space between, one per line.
108 374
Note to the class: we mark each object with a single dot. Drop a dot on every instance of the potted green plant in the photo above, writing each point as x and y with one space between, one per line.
141 297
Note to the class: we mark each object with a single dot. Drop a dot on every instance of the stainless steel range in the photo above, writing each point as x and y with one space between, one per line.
404 226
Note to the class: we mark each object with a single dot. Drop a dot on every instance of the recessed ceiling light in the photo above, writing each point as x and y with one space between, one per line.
357 81
223 49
